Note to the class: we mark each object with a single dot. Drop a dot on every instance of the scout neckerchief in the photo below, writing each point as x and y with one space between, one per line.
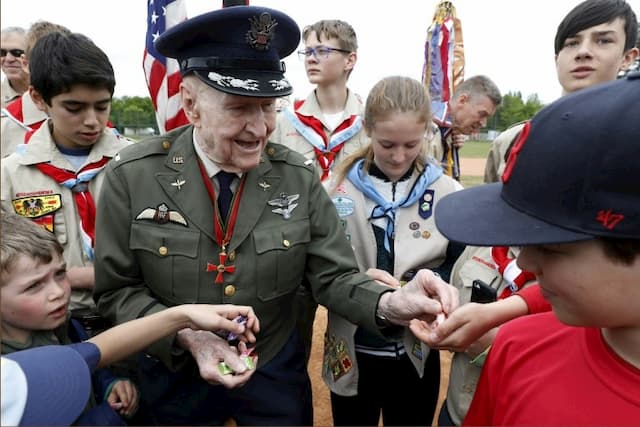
325 148
78 183
223 232
450 159
362 181
507 267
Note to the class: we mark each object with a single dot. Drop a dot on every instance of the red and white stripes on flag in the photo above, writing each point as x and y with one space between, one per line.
163 74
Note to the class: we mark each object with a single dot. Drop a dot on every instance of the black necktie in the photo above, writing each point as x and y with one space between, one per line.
224 198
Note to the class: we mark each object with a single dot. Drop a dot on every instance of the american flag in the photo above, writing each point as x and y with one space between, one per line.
163 74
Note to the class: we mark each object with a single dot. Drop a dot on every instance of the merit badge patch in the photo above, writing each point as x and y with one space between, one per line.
336 358
425 204
37 206
344 205
417 350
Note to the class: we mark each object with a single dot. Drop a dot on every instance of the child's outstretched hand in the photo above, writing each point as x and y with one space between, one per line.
221 317
124 398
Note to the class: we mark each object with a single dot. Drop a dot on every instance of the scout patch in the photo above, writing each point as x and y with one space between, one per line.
425 204
162 215
285 204
416 350
37 206
344 205
336 358
39 209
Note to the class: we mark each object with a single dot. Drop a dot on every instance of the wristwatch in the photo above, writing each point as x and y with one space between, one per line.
381 320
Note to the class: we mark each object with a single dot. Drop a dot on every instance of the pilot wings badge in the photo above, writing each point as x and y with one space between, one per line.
284 204
162 215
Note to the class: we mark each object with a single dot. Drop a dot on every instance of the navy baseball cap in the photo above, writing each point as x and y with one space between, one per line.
573 174
238 50
47 385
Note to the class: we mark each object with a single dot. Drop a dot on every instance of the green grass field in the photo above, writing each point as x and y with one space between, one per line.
475 149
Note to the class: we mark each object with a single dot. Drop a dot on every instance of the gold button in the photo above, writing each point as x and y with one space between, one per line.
166 145
426 234
271 151
229 290
162 250
286 243
232 256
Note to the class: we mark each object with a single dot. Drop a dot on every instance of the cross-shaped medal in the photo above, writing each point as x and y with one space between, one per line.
221 268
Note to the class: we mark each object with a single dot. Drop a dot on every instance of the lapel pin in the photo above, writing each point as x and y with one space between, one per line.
179 183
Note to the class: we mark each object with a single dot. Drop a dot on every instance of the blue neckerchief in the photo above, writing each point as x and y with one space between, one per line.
384 208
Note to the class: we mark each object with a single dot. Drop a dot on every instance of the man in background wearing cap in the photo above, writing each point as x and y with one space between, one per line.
213 213
577 219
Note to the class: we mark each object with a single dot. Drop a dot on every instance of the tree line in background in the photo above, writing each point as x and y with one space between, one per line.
134 115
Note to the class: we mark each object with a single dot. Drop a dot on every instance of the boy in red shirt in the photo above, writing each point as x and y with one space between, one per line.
578 222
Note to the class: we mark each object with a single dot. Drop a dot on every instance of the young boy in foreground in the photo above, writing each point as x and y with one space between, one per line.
35 300
578 222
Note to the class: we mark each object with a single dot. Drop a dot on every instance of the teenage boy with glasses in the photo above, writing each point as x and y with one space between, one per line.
326 127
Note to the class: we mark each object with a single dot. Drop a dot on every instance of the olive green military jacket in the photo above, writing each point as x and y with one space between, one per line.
156 246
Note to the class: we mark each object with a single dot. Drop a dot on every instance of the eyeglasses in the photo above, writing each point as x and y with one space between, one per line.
17 53
320 52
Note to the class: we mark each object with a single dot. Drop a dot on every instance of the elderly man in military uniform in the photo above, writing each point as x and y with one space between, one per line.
214 213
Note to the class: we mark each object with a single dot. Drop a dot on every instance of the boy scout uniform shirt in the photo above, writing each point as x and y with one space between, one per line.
286 134
475 263
496 158
30 193
286 228
13 129
8 93
418 244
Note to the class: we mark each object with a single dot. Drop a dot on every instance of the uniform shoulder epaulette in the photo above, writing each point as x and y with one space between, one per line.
281 153
158 145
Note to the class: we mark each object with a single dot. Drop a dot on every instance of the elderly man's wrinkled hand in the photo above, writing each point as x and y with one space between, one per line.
426 297
209 350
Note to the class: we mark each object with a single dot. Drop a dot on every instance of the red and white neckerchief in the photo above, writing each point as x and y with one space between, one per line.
325 148
78 183
507 267
223 232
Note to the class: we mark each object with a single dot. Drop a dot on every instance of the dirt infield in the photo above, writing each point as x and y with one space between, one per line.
473 167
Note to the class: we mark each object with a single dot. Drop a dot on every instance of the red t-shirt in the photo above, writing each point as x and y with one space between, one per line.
532 295
542 372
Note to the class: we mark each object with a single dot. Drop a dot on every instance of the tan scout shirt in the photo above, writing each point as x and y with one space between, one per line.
418 244
287 135
495 160
8 93
23 183
145 263
13 131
